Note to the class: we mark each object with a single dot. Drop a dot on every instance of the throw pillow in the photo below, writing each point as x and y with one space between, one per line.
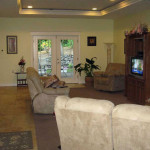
58 84
50 81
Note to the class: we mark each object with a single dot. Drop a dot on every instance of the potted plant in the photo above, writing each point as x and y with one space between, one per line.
88 67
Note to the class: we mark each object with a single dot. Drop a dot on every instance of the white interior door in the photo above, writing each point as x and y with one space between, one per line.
56 55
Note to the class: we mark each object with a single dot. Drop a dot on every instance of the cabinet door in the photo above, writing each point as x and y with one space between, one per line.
135 90
130 46
140 93
125 46
131 90
147 65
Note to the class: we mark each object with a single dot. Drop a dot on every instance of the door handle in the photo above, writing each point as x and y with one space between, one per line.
57 60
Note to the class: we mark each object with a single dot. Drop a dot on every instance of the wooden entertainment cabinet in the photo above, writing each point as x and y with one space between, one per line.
137 88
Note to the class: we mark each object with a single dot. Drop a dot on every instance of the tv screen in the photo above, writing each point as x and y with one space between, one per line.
137 66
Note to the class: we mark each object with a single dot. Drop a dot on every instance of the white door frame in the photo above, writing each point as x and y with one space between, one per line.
50 34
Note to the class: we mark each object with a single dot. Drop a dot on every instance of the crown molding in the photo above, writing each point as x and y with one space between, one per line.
103 12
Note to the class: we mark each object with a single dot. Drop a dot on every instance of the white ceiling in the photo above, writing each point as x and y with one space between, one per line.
68 4
71 8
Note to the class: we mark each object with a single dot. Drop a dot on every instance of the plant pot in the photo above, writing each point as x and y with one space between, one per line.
89 81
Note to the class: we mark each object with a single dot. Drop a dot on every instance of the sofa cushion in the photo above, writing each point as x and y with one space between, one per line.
115 68
58 84
56 91
52 79
131 126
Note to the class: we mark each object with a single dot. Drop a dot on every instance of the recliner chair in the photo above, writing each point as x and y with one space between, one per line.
42 98
113 79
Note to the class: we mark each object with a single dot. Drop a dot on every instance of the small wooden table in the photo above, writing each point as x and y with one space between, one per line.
21 81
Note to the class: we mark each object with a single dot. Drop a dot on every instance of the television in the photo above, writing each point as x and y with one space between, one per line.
137 66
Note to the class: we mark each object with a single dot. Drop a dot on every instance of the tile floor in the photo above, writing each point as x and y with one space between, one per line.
16 112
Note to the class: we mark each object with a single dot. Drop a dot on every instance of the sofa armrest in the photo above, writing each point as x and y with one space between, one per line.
98 73
57 91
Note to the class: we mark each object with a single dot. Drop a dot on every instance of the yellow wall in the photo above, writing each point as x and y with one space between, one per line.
22 27
126 23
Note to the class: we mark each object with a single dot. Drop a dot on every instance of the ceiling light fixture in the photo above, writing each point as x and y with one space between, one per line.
94 8
112 0
30 7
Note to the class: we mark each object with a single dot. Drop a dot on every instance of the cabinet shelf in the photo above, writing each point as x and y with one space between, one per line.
21 81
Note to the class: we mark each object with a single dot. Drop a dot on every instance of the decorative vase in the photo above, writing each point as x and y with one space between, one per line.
21 68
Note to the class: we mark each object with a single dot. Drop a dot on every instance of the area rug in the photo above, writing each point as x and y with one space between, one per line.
16 140
46 127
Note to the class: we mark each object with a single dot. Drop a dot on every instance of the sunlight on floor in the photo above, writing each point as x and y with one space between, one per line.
74 85
15 111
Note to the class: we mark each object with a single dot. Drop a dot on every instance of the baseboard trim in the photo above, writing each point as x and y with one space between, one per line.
8 84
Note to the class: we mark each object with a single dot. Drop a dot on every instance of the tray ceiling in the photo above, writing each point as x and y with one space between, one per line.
109 9
69 4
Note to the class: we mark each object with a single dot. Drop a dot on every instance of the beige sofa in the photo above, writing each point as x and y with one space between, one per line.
42 98
89 124
113 79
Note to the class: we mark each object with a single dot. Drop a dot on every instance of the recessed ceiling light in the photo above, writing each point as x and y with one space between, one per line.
30 7
112 0
94 8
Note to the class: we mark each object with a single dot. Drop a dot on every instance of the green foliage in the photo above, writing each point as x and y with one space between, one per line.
43 44
67 43
70 65
69 70
48 71
88 67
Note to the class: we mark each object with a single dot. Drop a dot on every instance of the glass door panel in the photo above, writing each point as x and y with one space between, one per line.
67 56
67 59
44 57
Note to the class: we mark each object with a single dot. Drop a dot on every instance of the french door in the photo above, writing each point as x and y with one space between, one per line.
56 55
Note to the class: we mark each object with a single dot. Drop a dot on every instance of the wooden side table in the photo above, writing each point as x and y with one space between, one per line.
20 80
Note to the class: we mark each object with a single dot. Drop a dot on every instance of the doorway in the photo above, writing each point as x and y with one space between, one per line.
56 54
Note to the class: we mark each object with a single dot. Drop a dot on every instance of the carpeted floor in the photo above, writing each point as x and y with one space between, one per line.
46 127
115 97
46 132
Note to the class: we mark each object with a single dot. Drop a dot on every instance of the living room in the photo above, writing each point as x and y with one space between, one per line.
105 29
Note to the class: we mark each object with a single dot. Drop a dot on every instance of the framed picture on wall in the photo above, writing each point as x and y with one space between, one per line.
11 44
91 41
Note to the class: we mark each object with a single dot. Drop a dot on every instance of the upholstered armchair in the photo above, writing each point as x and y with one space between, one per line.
84 123
42 98
113 79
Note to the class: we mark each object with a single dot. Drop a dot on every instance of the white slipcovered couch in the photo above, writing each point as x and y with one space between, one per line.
89 124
